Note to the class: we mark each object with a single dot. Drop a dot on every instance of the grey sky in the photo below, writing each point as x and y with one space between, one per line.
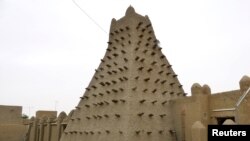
49 48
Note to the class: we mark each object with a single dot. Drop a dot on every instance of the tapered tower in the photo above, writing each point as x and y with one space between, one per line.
129 96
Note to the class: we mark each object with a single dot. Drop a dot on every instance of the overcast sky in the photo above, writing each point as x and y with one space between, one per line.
49 49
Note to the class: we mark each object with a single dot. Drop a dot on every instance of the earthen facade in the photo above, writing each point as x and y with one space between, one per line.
135 95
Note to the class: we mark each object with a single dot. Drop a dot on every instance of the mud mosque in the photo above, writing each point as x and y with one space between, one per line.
134 95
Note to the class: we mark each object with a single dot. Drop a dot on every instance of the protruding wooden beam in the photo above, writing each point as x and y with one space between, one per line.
160 72
153 63
114 101
150 69
162 82
163 93
164 102
162 115
114 90
140 114
140 68
113 81
122 100
149 38
142 101
148 25
175 75
171 84
107 83
120 69
124 52
142 60
117 115
134 89
146 79
93 86
125 59
139 42
153 102
151 115
124 77
149 133
115 54
154 91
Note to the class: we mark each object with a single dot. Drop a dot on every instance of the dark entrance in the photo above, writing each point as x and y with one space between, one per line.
221 120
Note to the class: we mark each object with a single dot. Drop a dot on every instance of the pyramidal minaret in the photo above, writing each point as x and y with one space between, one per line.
129 96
